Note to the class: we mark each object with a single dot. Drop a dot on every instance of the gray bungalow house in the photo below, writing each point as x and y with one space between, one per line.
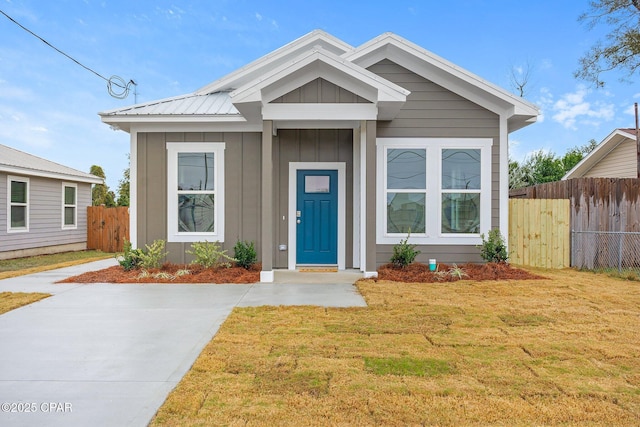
43 205
326 154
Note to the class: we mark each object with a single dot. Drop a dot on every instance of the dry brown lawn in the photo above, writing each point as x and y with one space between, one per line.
12 300
561 351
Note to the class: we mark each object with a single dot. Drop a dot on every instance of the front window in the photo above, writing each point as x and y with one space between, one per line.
438 189
195 182
406 188
69 205
461 188
18 209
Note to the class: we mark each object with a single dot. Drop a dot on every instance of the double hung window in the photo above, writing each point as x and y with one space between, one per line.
195 185
18 204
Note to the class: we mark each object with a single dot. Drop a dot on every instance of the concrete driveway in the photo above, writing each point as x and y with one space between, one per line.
108 355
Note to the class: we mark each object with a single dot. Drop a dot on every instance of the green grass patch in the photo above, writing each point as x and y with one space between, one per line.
28 265
524 319
407 366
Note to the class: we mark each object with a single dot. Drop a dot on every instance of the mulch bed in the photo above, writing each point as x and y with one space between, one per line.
419 273
413 273
197 274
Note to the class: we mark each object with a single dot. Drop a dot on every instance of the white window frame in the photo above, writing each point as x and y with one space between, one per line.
173 149
10 204
74 206
433 203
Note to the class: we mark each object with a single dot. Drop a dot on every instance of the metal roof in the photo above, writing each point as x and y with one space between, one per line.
218 104
18 162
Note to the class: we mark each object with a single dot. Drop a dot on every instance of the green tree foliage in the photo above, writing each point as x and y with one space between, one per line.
123 188
540 167
100 194
621 47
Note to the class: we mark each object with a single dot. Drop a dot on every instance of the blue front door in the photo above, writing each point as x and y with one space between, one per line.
317 217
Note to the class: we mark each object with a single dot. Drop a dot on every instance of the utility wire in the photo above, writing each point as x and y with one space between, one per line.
113 81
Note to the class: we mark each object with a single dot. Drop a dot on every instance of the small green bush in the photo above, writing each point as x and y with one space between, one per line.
131 258
245 254
493 249
404 253
152 257
210 254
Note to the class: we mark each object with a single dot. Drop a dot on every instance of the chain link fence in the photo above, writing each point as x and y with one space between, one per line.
605 250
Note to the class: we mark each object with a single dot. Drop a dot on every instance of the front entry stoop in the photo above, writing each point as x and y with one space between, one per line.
317 277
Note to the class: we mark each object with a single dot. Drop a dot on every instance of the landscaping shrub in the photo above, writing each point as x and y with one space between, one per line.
245 254
154 254
130 259
210 254
404 253
493 249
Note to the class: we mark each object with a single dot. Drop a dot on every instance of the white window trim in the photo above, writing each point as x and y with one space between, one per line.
9 204
173 148
75 206
433 228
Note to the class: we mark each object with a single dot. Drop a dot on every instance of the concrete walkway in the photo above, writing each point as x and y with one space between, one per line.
108 355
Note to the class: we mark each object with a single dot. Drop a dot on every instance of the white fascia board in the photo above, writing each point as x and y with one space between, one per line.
607 145
15 170
313 64
324 111
452 77
274 59
195 127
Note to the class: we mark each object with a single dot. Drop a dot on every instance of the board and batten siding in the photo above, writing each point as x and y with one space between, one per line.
621 162
242 193
45 216
432 111
309 145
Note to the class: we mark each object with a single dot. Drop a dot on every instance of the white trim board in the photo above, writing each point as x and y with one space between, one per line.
342 208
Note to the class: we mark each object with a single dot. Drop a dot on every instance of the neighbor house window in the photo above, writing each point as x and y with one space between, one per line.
18 204
437 189
69 205
195 184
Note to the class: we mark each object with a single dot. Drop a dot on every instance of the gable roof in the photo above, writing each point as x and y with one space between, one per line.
18 162
239 96
615 138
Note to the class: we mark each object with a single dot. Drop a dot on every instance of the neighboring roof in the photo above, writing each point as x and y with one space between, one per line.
310 56
18 162
605 147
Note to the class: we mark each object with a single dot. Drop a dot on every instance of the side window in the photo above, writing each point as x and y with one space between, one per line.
461 188
18 204
406 186
69 206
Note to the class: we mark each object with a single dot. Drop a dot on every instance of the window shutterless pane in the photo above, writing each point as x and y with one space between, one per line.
18 216
461 213
461 169
69 195
196 171
406 168
317 183
196 213
69 216
405 212
18 192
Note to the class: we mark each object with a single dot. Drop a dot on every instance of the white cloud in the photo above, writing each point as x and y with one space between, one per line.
258 17
574 108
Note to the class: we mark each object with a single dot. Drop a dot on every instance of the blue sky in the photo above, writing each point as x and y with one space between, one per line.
49 105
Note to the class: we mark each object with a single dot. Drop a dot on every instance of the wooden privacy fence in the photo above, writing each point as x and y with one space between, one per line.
539 232
107 228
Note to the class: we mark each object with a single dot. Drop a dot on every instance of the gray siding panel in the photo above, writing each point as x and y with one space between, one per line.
320 91
309 145
242 193
45 216
433 111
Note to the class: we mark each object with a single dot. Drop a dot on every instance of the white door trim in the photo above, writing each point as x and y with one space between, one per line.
342 207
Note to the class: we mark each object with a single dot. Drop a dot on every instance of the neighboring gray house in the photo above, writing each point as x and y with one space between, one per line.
43 205
326 154
615 157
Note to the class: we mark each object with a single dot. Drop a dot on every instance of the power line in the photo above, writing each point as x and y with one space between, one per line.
112 81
